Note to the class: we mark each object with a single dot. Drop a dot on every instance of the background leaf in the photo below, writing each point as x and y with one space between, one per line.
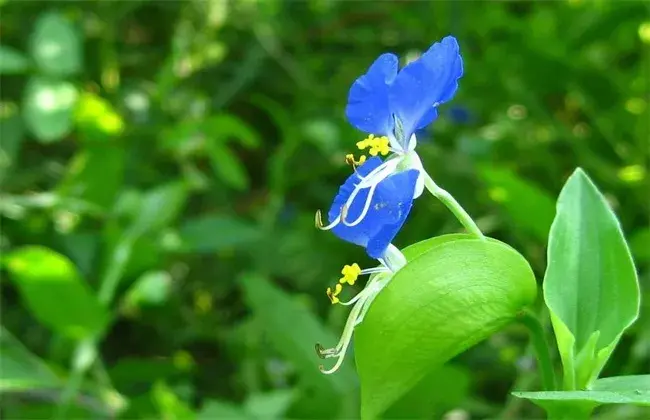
590 285
216 233
12 61
49 282
55 45
529 208
292 329
442 302
48 106
20 368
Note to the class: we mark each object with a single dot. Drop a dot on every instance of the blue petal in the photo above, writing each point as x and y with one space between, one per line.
425 83
390 205
401 200
368 108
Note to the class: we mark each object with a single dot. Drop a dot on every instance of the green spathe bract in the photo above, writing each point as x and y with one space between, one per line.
590 286
455 291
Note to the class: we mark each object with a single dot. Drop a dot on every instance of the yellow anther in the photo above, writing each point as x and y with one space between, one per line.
349 159
350 274
333 294
377 145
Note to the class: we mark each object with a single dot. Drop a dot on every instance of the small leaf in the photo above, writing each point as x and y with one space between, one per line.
213 409
590 286
11 133
12 61
445 300
47 108
97 119
226 126
95 174
152 288
269 405
55 45
169 405
215 233
529 207
160 207
55 293
227 166
22 370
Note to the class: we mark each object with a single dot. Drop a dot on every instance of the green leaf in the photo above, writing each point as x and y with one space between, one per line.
22 370
293 331
11 133
615 390
95 174
445 300
269 405
576 405
47 108
55 292
529 207
590 286
160 207
227 166
55 45
169 405
225 126
213 409
640 244
152 288
12 61
215 233
440 391
96 119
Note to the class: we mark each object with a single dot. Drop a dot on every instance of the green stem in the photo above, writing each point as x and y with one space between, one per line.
453 205
540 344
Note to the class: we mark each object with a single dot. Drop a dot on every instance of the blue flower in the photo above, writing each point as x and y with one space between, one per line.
372 205
392 103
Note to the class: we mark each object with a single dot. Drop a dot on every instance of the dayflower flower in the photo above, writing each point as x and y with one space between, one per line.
374 202
391 104
369 216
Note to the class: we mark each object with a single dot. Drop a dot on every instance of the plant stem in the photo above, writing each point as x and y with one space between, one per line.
453 205
540 344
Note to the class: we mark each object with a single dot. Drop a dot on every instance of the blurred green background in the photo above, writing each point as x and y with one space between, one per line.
168 157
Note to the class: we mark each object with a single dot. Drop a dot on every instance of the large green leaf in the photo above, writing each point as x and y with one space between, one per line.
590 286
56 45
447 298
48 107
55 292
20 368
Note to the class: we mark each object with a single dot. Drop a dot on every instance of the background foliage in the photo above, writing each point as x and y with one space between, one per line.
162 161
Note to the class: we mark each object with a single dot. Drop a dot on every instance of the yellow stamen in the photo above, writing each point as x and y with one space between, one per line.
349 159
350 274
377 145
333 294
